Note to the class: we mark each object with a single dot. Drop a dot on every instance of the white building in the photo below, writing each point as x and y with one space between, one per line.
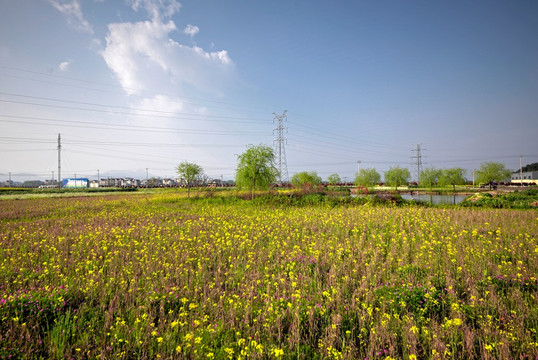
528 177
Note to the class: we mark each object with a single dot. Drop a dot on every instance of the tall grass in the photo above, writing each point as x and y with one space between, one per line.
155 276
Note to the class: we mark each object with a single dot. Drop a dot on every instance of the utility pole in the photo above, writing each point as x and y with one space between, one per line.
418 162
147 179
280 151
359 166
98 177
59 162
521 170
10 179
473 177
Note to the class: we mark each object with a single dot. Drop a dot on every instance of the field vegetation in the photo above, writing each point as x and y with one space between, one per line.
54 191
302 277
526 199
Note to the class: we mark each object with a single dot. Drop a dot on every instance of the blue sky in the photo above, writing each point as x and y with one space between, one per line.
146 84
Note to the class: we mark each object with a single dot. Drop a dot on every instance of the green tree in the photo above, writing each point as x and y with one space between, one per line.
305 178
255 168
367 177
191 173
453 176
32 183
530 167
490 171
333 179
153 182
429 177
397 176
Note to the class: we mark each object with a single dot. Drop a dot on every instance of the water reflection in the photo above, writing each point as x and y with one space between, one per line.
446 199
429 198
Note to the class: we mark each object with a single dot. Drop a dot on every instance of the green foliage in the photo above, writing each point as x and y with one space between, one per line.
13 190
429 177
367 177
453 176
490 171
255 168
55 192
527 199
530 167
190 173
305 178
46 314
334 179
415 299
32 183
397 176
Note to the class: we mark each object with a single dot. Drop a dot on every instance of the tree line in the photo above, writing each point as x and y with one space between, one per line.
256 170
488 173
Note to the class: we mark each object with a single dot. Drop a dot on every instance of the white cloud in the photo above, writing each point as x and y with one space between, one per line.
95 43
75 18
161 103
191 30
133 49
143 56
216 56
64 65
157 8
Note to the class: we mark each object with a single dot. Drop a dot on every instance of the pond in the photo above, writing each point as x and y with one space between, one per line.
446 199
451 199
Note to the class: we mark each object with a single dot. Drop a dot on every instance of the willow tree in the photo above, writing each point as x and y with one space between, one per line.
305 178
452 176
367 177
256 168
191 173
490 172
429 177
333 179
397 176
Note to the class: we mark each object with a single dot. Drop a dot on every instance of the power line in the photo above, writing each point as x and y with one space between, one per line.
126 108
115 143
329 130
184 99
326 134
341 147
472 160
133 128
214 118
26 150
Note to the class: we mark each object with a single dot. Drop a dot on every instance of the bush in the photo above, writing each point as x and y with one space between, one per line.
527 199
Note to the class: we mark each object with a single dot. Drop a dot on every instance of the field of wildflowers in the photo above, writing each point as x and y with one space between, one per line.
159 276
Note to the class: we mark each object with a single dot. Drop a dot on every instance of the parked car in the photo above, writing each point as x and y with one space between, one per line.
492 185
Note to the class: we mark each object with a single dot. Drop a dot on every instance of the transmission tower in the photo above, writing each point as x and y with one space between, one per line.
59 161
418 157
279 146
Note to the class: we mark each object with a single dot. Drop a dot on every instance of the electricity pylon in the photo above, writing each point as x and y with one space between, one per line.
279 147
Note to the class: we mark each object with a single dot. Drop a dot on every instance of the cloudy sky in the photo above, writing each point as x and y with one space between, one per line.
135 87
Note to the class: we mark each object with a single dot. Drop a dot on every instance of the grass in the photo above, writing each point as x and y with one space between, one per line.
162 276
